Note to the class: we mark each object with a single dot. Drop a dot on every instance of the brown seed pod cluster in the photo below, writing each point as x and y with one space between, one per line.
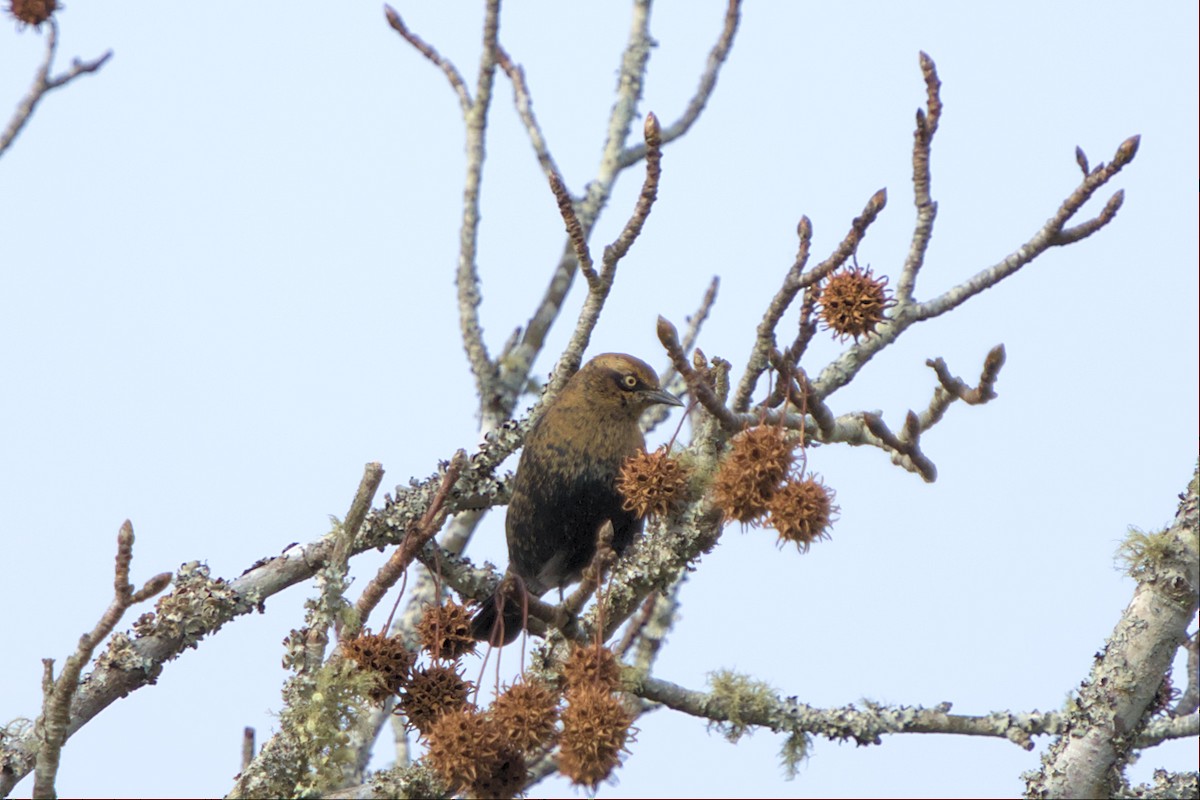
759 458
853 302
801 511
470 755
595 724
758 484
445 631
386 657
653 483
32 12
485 753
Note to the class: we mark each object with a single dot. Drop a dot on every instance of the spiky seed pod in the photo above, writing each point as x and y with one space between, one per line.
502 776
387 658
759 458
591 666
525 714
445 631
801 511
853 302
470 755
460 742
738 498
32 12
431 692
652 483
596 727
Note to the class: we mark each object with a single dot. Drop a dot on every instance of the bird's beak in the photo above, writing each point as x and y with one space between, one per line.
661 397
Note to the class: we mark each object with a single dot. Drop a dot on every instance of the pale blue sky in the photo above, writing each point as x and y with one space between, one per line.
226 283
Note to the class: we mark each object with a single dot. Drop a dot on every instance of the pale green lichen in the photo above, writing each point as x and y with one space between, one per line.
746 702
794 752
414 780
320 711
1142 553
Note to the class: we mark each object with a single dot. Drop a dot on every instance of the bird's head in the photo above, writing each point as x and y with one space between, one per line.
614 381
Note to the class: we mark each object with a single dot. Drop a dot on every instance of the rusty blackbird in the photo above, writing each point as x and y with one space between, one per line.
564 490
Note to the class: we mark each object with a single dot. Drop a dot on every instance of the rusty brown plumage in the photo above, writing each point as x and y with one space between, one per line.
565 487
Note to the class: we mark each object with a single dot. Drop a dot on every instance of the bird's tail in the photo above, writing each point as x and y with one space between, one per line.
498 621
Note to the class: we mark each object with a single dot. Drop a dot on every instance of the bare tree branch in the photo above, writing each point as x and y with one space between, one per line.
598 289
737 703
764 342
524 103
927 124
1052 234
1113 703
447 67
52 727
43 84
698 387
430 523
708 82
795 281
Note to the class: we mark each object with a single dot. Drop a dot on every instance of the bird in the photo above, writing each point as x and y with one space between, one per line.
565 490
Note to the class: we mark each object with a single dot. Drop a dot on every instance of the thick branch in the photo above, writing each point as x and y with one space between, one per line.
200 605
1114 703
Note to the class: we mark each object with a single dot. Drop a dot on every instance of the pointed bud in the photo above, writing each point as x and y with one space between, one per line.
1127 151
652 131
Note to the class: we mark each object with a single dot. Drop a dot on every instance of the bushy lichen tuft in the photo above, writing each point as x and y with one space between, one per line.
743 700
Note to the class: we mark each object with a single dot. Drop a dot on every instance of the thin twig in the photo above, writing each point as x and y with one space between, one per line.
247 746
1189 700
575 234
524 103
708 82
343 546
697 386
797 280
516 361
927 124
670 376
985 391
447 67
43 84
467 276
764 341
425 530
598 290
907 444
52 727
1051 234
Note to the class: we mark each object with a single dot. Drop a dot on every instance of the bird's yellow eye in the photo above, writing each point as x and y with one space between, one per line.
629 381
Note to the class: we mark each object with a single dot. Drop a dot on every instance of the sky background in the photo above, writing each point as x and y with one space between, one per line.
226 283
